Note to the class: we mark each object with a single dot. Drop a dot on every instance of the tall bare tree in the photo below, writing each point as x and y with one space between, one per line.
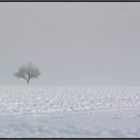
27 72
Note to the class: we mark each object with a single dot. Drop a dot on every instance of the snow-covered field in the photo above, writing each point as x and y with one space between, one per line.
69 112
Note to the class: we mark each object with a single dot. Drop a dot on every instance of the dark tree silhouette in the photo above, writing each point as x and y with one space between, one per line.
27 72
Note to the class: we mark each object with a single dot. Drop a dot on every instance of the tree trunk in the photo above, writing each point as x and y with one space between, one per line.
27 81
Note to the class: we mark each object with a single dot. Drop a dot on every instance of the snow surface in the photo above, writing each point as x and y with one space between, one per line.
69 112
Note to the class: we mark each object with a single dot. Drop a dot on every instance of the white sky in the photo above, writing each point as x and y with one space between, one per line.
73 44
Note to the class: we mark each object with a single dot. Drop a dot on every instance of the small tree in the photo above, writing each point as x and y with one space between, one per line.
27 72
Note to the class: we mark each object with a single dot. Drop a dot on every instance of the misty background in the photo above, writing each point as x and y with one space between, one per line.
73 44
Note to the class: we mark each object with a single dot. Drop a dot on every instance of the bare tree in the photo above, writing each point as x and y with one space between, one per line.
27 72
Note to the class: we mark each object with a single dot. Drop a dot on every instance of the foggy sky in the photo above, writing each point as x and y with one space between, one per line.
73 44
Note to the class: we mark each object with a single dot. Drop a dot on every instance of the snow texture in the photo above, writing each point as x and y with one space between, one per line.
69 112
